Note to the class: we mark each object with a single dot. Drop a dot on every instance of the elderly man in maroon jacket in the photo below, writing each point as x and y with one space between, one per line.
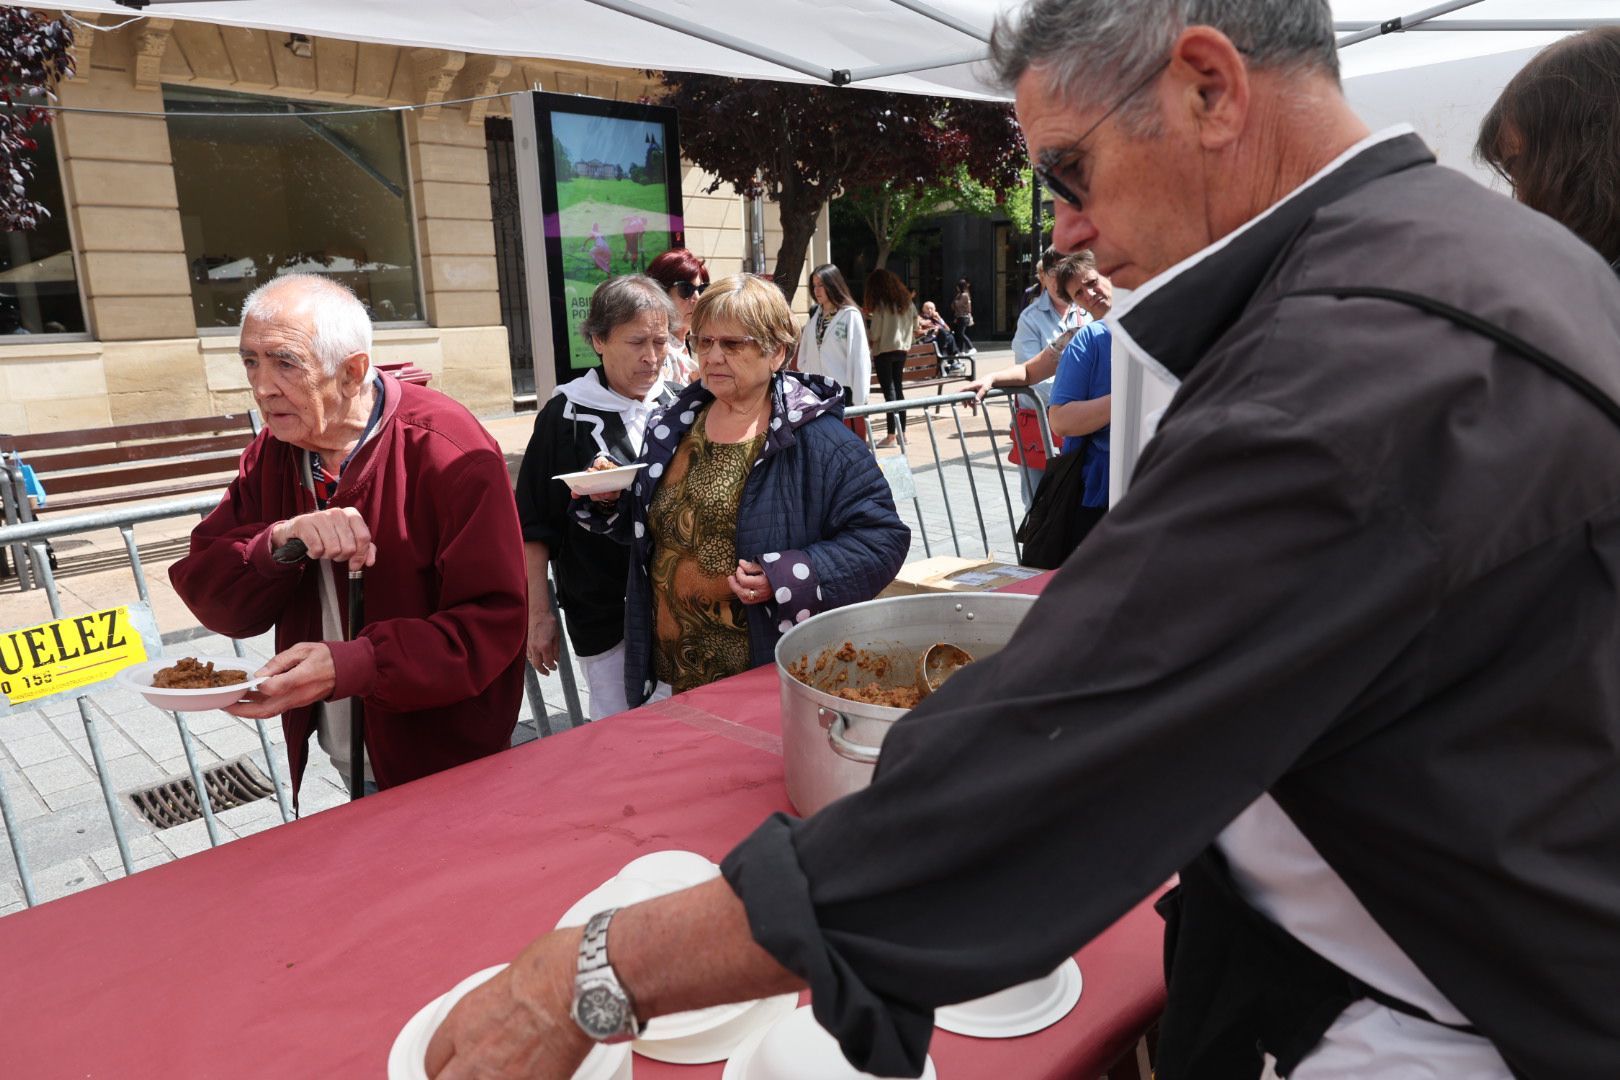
369 473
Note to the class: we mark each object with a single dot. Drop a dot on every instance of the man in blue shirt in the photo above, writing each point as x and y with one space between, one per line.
1082 391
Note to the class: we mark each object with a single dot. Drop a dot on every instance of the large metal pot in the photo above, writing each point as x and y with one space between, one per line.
830 745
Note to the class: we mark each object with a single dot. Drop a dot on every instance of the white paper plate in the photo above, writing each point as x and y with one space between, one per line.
814 1054
686 867
407 1059
600 481
139 678
715 1043
1018 1010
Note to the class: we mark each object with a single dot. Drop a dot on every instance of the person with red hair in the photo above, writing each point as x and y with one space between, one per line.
684 276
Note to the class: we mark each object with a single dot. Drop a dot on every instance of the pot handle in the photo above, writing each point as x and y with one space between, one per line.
844 748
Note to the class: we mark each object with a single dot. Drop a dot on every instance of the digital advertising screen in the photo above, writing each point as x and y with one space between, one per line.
611 194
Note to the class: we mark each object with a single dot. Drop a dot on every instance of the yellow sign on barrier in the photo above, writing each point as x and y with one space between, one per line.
39 661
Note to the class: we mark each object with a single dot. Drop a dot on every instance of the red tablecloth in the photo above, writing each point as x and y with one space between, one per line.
303 950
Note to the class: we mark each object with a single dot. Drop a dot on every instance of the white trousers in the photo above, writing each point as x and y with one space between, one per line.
604 681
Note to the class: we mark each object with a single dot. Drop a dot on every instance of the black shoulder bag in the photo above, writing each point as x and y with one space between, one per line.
1056 522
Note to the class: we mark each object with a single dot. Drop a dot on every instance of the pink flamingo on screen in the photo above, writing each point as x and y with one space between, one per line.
601 254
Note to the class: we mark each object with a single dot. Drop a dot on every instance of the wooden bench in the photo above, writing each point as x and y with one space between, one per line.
93 467
925 367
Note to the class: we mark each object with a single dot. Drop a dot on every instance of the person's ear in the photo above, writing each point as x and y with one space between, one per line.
599 343
352 373
1213 84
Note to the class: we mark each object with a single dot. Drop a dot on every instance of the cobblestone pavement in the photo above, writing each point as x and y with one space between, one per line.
45 759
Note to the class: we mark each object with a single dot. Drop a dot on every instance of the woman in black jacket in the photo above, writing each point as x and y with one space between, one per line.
603 413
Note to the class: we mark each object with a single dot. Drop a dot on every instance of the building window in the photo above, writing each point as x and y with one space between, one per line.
39 290
305 192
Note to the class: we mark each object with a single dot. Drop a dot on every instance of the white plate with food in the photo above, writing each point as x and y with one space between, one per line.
407 1059
600 481
196 683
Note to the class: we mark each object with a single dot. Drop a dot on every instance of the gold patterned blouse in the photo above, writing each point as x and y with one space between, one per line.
700 630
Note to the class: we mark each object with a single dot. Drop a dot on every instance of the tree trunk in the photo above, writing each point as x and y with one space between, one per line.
798 227
799 204
882 260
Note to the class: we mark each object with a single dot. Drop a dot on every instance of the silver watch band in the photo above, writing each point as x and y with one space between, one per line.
593 946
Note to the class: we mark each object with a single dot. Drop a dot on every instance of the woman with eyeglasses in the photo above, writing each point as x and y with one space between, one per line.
1551 135
756 510
834 340
685 277
893 328
603 414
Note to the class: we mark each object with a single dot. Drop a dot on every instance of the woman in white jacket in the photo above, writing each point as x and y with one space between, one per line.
834 340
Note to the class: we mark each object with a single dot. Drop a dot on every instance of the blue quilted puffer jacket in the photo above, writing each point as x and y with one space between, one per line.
815 512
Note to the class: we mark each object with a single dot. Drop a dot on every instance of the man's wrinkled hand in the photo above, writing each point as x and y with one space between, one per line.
302 675
516 1026
338 533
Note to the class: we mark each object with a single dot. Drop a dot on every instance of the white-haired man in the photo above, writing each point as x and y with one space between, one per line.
1344 654
374 474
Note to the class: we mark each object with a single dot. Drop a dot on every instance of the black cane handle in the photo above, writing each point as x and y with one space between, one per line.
294 550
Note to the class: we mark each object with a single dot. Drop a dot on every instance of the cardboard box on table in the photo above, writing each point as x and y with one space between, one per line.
950 573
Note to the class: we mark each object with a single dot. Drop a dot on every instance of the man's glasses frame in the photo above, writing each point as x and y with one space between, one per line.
1051 161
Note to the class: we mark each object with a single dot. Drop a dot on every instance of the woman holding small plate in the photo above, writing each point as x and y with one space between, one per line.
757 508
600 417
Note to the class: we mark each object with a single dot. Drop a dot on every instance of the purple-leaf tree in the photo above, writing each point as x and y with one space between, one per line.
34 58
801 145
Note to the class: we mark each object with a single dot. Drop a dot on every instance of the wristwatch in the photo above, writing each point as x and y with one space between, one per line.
602 1007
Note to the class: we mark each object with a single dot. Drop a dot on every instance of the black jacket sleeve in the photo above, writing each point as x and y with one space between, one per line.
542 504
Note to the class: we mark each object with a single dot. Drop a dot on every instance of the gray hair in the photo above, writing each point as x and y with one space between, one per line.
1093 52
620 299
338 324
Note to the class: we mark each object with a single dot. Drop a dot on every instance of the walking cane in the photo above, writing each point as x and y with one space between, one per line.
293 551
357 706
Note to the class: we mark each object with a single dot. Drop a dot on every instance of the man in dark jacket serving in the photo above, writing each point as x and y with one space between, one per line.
374 474
1344 655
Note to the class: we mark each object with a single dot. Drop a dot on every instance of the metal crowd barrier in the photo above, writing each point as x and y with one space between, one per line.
31 538
980 414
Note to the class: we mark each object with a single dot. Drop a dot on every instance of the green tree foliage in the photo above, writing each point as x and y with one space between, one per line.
564 163
801 145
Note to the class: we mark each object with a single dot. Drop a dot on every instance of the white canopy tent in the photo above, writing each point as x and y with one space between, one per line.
1437 68
919 46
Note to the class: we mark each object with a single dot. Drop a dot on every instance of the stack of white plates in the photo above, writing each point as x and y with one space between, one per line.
1018 1010
702 1035
796 1048
408 1058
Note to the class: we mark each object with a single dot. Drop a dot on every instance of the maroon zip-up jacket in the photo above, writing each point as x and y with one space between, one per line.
439 663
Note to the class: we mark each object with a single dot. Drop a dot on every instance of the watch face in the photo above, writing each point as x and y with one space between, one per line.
600 1011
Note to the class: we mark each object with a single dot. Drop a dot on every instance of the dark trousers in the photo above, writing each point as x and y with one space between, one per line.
889 365
963 343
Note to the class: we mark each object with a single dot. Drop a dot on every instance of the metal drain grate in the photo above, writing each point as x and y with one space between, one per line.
174 802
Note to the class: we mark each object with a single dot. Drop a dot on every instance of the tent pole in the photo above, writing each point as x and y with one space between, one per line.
715 37
943 19
880 71
1462 25
1403 22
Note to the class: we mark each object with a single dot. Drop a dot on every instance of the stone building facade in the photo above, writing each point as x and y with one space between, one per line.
153 338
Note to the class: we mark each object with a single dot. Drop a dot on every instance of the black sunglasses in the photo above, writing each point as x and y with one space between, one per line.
1046 169
686 290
